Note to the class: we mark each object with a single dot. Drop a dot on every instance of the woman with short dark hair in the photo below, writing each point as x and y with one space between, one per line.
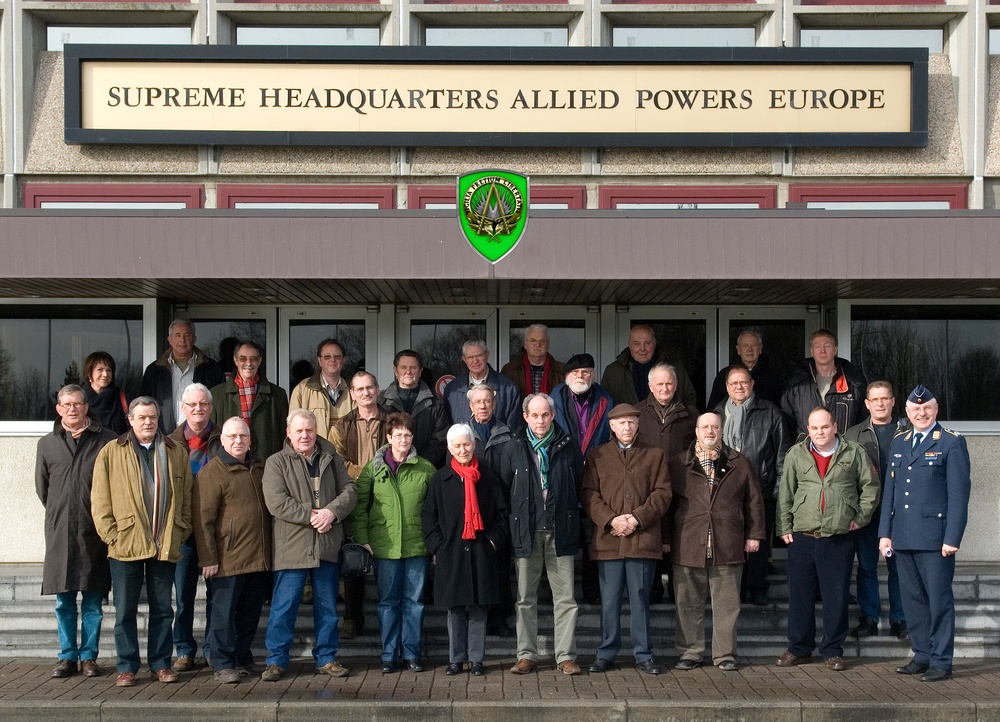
105 399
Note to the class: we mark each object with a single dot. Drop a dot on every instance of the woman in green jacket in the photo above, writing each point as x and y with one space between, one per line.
391 491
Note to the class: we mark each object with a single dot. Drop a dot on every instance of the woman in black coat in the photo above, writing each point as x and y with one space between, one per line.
465 522
105 399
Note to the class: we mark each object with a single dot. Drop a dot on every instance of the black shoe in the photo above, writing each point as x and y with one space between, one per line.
687 664
935 674
500 629
591 598
656 596
600 666
454 668
649 666
728 665
478 669
414 665
867 627
758 597
388 667
899 631
912 667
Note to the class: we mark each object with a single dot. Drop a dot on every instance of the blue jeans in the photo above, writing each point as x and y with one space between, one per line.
866 541
126 582
637 576
285 600
400 607
91 615
186 587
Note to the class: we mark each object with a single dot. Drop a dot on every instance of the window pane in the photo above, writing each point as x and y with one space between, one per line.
952 350
683 206
293 204
880 205
217 339
251 35
682 343
683 37
566 338
930 38
60 35
42 349
304 335
440 345
518 37
113 205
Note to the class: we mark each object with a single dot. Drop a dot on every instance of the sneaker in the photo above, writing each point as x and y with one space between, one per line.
272 674
226 676
334 669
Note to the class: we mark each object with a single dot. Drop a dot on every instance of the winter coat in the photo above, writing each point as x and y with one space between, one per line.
157 381
388 513
566 415
514 370
310 394
467 570
75 557
734 513
764 441
232 526
119 510
288 493
845 399
638 484
214 439
848 492
431 415
519 473
508 398
268 417
106 404
674 434
344 437
617 381
492 451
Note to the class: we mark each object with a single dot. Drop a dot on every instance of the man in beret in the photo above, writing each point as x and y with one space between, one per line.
925 509
626 493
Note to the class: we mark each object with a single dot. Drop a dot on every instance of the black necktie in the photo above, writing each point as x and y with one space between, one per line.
917 438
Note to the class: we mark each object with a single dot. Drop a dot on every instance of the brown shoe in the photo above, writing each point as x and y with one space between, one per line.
166 675
125 679
64 668
334 669
524 666
184 663
790 660
90 668
569 666
836 664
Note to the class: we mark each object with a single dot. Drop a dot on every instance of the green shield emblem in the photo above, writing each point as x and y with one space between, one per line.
493 210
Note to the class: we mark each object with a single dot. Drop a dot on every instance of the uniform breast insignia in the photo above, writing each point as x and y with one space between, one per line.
932 454
936 435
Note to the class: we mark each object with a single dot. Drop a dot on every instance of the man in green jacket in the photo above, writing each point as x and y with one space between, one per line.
828 489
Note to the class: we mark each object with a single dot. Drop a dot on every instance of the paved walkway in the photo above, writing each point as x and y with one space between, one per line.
869 689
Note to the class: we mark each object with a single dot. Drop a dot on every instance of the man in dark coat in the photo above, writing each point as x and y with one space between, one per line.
181 364
768 383
625 378
717 517
507 397
542 468
825 380
76 560
412 396
626 492
927 507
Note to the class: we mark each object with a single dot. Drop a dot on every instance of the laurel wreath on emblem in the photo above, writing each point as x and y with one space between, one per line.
493 207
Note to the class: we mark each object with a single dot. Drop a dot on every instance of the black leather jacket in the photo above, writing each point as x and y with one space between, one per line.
764 441
845 399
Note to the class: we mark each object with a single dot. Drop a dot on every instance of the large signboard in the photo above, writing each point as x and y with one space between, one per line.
594 97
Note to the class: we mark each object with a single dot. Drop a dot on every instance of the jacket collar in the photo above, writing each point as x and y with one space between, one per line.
197 358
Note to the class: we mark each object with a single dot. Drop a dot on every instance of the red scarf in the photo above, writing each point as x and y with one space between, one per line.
248 394
470 475
546 370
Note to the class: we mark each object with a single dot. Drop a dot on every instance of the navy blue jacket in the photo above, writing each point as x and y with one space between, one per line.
508 399
567 419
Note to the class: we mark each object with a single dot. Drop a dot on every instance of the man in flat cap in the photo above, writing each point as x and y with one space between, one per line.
925 509
626 492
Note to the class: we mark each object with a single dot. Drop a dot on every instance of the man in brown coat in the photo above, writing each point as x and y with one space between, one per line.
717 517
534 371
626 492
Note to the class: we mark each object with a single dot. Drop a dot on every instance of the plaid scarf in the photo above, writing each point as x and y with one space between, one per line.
248 394
707 458
197 446
473 518
541 447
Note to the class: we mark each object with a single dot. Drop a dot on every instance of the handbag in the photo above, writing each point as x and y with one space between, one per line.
355 560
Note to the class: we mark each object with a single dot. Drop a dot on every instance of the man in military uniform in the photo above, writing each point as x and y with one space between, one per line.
926 502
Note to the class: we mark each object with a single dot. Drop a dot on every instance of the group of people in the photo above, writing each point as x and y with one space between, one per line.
525 468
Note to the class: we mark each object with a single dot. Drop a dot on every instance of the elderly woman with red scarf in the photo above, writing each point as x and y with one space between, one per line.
465 522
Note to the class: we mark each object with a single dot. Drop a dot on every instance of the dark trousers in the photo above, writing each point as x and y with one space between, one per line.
925 579
617 575
755 571
354 600
237 604
500 612
818 566
185 588
127 579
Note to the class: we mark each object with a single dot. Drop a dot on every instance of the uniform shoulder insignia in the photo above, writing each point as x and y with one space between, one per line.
951 432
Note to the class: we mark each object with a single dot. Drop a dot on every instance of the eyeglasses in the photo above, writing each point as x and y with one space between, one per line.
881 400
251 359
332 357
236 436
400 435
197 404
738 383
73 405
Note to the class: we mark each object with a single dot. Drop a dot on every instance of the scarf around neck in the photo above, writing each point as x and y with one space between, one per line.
470 476
543 387
541 448
197 446
248 394
156 483
707 458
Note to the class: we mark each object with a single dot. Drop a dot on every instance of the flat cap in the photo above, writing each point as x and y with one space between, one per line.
623 410
579 361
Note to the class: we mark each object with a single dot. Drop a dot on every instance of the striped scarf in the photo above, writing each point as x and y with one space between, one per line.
197 447
156 484
248 394
541 448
